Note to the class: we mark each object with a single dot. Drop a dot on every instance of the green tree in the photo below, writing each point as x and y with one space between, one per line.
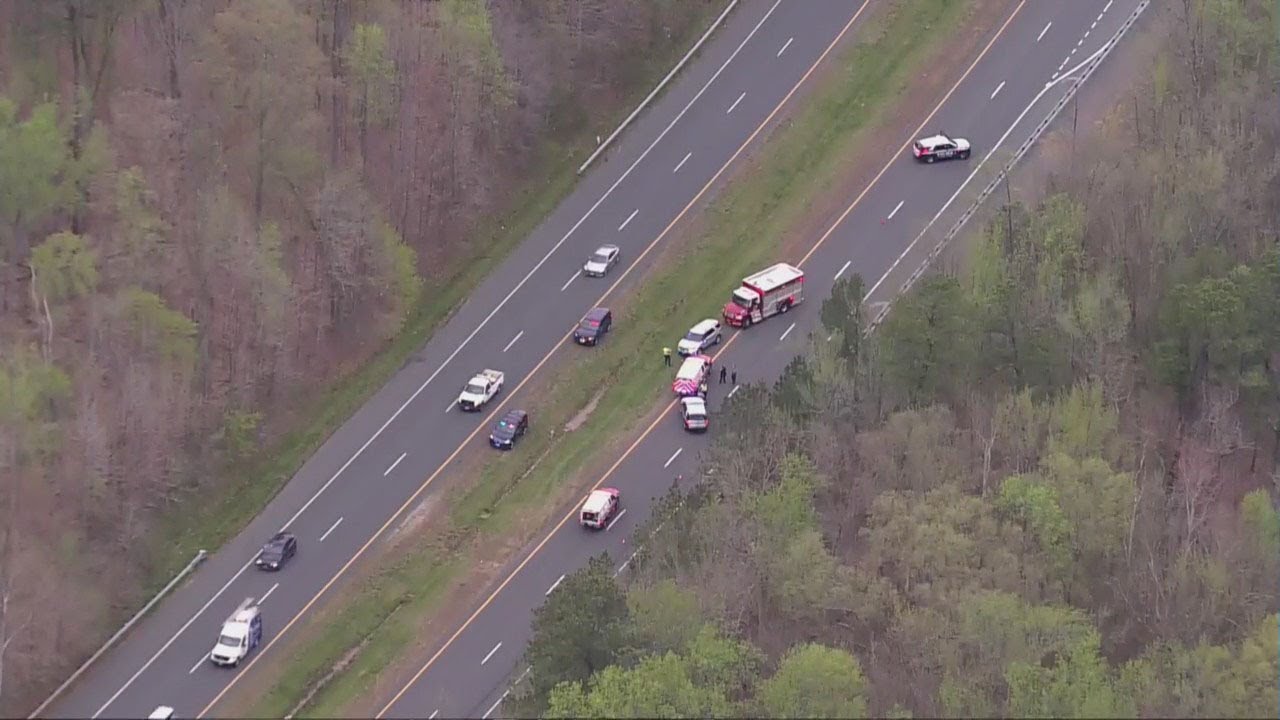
155 327
265 69
64 266
1172 680
727 665
842 316
370 77
139 228
927 340
33 167
32 392
1078 684
814 681
794 391
578 631
664 617
1035 506
658 687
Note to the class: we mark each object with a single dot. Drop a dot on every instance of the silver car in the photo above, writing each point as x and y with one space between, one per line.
601 261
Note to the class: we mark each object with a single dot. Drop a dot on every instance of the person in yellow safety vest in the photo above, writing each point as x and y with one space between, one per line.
666 356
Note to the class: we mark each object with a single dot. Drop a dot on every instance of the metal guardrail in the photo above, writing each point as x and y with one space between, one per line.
1004 171
199 558
654 93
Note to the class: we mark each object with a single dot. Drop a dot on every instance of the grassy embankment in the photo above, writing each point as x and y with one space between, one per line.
507 503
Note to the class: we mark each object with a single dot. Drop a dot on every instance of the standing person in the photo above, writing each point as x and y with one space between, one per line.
702 389
666 356
734 376
723 371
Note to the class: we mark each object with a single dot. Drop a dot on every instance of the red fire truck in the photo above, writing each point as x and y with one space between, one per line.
771 291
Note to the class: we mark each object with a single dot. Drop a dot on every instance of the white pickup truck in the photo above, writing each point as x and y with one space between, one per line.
480 389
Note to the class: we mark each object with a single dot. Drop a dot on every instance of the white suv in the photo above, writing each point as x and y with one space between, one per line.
940 147
700 337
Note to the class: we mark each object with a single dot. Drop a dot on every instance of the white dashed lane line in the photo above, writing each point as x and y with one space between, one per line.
491 652
628 220
566 284
403 455
843 268
682 162
898 207
784 47
332 527
673 457
267 594
554 585
615 519
788 332
731 392
513 341
1045 30
996 92
735 103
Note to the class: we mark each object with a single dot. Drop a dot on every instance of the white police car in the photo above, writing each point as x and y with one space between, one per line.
940 147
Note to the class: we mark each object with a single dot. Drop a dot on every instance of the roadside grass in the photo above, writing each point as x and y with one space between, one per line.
739 232
216 513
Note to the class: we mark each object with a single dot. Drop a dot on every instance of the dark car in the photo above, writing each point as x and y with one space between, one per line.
510 428
279 550
593 326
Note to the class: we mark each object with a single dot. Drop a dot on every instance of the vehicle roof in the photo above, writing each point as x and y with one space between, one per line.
695 404
596 313
691 366
598 500
514 415
607 249
244 616
935 140
779 274
703 326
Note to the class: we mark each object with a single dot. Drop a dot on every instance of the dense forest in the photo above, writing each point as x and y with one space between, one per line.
1046 486
210 209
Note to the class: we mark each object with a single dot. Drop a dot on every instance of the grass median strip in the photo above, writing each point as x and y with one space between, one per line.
618 385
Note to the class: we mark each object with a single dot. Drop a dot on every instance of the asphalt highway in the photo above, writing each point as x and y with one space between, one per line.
1025 68
384 459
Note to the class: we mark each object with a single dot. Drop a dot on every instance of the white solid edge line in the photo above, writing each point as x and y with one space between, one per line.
683 161
673 457
628 220
615 519
735 103
984 160
784 47
332 527
554 585
1045 30
403 455
491 652
513 341
898 207
453 354
788 332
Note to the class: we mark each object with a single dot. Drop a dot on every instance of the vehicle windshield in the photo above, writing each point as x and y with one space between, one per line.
740 302
693 336
589 323
230 640
272 553
599 257
475 388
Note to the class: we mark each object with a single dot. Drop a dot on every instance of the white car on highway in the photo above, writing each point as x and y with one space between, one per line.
601 261
699 338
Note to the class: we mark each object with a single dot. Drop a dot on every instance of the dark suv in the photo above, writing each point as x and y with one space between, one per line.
510 428
593 327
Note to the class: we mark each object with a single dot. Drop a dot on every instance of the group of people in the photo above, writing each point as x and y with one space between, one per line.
702 388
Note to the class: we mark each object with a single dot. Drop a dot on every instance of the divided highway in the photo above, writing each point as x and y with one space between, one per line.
1009 89
384 459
